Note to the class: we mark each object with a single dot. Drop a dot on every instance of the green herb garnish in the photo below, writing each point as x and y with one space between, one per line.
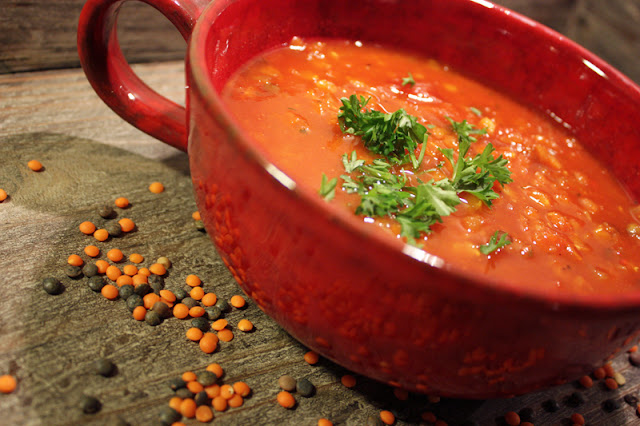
495 243
328 188
408 80
476 111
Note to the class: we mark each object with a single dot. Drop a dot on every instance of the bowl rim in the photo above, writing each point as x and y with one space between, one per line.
565 301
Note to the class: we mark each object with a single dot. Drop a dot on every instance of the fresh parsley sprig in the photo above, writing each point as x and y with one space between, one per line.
497 241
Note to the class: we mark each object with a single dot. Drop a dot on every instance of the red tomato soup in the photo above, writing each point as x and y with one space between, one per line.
565 223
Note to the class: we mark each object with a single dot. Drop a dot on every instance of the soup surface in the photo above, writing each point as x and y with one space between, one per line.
549 216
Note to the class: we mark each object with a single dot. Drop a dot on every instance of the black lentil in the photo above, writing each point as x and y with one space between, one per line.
134 301
90 404
212 312
168 415
180 293
72 271
52 285
190 302
550 405
156 287
89 270
287 383
177 383
201 398
526 414
223 305
634 358
152 318
201 323
96 283
143 289
207 378
184 393
114 229
574 400
199 224
153 278
162 309
126 291
305 388
106 212
610 405
105 367
631 399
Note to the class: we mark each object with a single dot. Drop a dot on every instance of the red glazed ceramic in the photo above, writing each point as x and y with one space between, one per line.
372 304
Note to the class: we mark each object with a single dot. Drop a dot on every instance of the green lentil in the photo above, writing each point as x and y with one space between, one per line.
126 291
180 293
162 309
90 404
72 271
199 225
223 305
190 302
96 283
105 367
202 323
207 378
201 398
90 270
305 388
164 261
134 301
184 393
212 313
152 318
177 383
287 383
156 287
114 229
168 415
106 212
52 285
143 289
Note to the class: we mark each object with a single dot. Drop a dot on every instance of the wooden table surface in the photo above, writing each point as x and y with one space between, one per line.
50 343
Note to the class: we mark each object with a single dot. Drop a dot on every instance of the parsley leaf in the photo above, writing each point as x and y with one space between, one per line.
408 80
328 188
351 164
495 243
394 135
476 111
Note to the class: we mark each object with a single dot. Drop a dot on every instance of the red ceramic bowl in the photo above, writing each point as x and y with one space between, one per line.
372 304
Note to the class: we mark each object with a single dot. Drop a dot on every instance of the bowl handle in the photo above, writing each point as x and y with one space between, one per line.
113 79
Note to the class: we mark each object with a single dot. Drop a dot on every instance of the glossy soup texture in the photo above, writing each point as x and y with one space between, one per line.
572 227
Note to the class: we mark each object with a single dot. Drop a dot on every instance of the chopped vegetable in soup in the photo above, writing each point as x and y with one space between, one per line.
446 164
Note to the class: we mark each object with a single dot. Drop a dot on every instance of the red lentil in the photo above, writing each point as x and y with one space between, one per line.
245 325
599 373
87 227
193 280
208 343
136 258
122 202
144 271
130 270
212 390
168 295
195 387
348 381
237 301
115 255
127 224
188 408
586 382
150 299
92 251
196 215
34 165
242 389
428 416
175 403
139 313
197 293
324 422
512 418
113 272
235 401
215 369
285 399
8 383
225 335
3 195
180 311
633 349
311 358
204 414
227 391
608 369
387 417
101 234
194 334
196 311
124 280
219 324
109 291
577 419
189 376
139 279
611 384
75 260
158 269
102 265
209 299
219 403
401 394
156 187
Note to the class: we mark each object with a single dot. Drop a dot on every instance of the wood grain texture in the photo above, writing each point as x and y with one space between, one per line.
41 34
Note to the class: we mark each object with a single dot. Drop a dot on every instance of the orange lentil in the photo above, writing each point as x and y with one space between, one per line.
115 255
102 265
212 390
208 343
324 422
158 269
633 349
110 292
92 251
168 295
166 302
189 376
441 422
285 399
195 387
136 258
236 401
127 224
215 369
197 293
113 272
3 195
139 279
124 280
512 418
348 380
401 394
156 187
577 419
526 424
193 280
608 369
225 335
87 227
175 403
428 416
101 234
245 325
130 270
196 312
586 381
196 215
242 389
139 313
209 299
387 417
311 357
227 391
599 373
611 383
194 334
75 260
237 301
178 423
150 299
220 324
8 383
434 399
121 202
219 403
204 414
188 408
34 165
144 271
180 311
